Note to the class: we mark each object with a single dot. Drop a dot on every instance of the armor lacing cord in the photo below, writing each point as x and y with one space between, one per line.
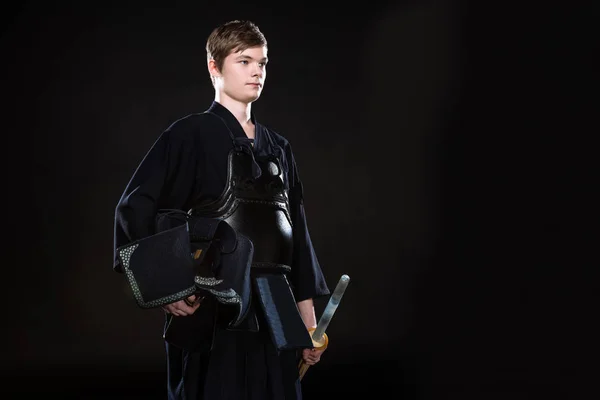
173 211
242 144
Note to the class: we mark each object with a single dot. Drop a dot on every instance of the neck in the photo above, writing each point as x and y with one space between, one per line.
240 110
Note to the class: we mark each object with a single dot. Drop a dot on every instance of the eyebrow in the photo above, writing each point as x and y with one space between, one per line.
244 56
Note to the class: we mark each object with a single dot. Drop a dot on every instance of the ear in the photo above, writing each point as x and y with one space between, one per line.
212 69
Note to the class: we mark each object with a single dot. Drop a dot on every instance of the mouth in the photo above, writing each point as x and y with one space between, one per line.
254 84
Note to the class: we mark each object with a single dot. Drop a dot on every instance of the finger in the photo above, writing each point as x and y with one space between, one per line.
187 310
177 309
183 307
190 300
168 309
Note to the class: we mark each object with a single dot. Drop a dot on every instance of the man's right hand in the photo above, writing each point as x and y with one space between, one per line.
181 309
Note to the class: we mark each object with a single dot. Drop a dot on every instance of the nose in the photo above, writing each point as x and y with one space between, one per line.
257 70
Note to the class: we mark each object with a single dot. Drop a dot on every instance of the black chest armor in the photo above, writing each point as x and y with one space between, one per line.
256 207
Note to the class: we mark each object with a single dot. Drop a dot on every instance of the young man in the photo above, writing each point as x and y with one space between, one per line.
242 332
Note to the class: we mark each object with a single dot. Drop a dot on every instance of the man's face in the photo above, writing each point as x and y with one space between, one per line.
243 74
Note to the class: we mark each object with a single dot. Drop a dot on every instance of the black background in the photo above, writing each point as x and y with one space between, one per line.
443 151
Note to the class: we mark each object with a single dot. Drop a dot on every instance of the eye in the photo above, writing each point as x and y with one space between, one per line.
262 64
244 62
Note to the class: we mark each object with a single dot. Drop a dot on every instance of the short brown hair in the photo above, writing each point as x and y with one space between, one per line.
237 35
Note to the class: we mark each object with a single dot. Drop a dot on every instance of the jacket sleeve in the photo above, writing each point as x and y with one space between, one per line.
164 179
306 277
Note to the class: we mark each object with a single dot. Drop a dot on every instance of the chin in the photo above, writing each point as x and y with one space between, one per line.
250 99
